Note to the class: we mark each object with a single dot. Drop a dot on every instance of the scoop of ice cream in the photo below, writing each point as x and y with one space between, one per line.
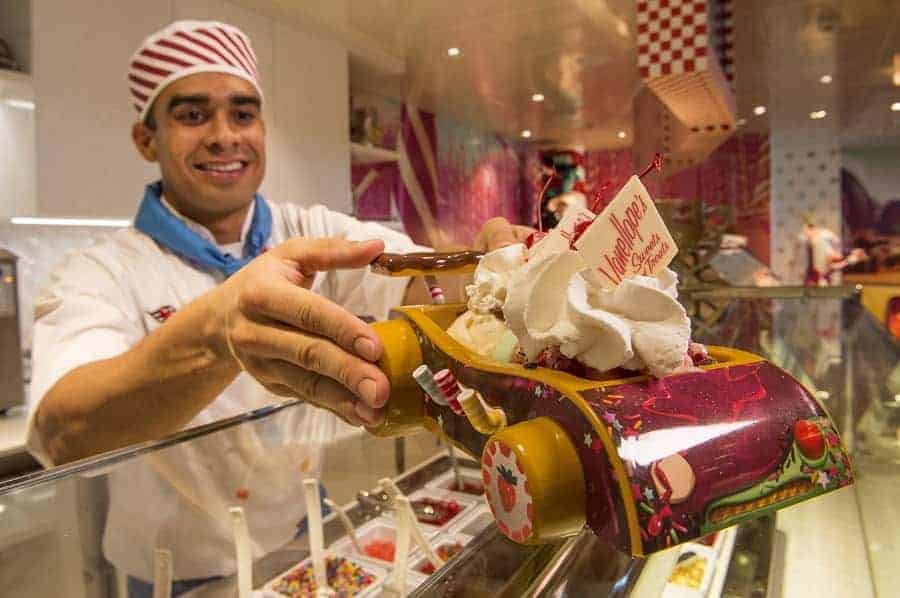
487 292
485 334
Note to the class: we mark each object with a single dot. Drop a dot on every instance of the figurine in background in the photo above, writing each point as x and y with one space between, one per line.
823 255
563 175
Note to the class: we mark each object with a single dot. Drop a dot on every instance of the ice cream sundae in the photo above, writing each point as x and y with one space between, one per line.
591 296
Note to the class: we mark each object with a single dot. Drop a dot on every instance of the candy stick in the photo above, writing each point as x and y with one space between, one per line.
316 539
243 553
397 584
454 464
437 293
393 491
162 573
345 521
425 379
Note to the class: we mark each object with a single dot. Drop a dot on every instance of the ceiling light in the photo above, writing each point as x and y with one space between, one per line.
537 97
622 28
759 110
621 135
825 79
818 114
895 106
24 104
69 221
741 122
453 51
897 69
526 134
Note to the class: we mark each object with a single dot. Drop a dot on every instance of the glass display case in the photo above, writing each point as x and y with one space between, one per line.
55 531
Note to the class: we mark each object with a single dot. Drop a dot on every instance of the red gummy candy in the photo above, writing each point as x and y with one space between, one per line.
381 549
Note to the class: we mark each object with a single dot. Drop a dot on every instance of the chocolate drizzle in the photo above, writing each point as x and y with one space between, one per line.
420 264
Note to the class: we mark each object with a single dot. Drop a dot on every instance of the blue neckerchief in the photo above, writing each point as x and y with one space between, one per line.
159 223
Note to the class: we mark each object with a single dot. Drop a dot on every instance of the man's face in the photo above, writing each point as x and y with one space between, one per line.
209 141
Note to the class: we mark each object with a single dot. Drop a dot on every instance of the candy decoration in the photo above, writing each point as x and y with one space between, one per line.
446 381
673 478
426 381
507 493
809 439
437 293
485 420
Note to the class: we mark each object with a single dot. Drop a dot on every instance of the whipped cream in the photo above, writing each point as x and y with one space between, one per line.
555 300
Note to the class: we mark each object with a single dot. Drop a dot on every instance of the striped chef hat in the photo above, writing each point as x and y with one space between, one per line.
185 48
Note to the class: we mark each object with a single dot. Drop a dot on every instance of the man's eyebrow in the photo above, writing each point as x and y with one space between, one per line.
244 100
192 99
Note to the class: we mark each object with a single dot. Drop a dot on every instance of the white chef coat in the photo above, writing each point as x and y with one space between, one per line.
103 300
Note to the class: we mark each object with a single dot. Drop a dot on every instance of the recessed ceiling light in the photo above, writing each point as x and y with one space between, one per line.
818 114
537 97
759 110
741 122
526 134
622 28
621 135
825 79
453 51
895 106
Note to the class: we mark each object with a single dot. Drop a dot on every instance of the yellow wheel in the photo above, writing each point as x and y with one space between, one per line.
405 408
533 482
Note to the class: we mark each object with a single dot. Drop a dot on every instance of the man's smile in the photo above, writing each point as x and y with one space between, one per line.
221 170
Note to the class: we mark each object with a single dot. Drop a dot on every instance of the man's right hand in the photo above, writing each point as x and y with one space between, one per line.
295 342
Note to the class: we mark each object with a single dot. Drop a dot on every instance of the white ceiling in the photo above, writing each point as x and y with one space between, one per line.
581 55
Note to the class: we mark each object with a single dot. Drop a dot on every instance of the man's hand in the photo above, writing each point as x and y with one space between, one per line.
498 232
297 343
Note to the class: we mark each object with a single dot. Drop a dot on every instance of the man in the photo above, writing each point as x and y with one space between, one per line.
821 250
215 301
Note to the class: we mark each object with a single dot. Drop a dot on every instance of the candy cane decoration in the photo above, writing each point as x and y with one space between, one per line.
450 388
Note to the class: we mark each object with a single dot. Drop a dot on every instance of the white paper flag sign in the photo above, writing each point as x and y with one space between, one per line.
628 238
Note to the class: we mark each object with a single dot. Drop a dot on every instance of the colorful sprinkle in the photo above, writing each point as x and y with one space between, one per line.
345 578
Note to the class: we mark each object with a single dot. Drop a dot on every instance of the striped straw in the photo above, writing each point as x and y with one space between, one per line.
425 379
437 293
450 388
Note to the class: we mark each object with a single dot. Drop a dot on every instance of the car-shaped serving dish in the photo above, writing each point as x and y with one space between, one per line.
645 463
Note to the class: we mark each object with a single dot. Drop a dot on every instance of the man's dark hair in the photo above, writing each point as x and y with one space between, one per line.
150 120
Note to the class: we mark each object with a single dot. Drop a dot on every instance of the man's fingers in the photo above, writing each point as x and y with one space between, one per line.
319 391
307 311
321 255
314 354
496 233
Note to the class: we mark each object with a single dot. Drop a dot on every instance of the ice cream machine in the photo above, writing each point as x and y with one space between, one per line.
12 392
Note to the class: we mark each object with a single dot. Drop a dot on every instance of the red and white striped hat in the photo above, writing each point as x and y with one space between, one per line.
186 48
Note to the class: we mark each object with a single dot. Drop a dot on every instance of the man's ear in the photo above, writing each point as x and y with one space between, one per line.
144 139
